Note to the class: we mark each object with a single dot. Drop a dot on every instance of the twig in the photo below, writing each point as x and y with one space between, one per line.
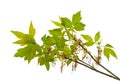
92 68
115 76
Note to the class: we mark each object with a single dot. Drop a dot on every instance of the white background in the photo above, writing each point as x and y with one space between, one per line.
98 15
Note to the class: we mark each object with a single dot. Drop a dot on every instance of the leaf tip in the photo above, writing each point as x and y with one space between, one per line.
31 29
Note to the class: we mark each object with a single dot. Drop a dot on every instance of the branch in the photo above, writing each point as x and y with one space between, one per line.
94 69
115 76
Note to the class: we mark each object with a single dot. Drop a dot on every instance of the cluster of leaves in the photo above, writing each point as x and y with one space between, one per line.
60 44
108 49
27 40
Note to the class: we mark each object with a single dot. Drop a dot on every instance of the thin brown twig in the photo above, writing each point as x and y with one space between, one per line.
94 69
116 77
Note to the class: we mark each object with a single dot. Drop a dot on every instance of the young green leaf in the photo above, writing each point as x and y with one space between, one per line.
31 53
21 52
108 52
41 60
66 22
51 58
49 41
21 42
69 62
88 43
19 34
109 46
113 53
60 43
87 37
56 33
97 36
76 18
29 39
31 30
79 26
67 51
56 23
27 52
47 65
38 49
43 38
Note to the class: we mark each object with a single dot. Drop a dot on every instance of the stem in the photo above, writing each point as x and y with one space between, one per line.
115 76
94 69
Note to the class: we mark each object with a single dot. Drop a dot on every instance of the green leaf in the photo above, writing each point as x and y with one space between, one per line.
24 38
27 52
51 59
87 37
38 48
31 30
21 42
31 53
56 33
108 52
43 38
29 39
21 52
97 36
56 23
49 41
47 65
113 53
18 34
79 26
109 46
88 43
66 22
67 51
76 18
41 60
69 62
60 43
